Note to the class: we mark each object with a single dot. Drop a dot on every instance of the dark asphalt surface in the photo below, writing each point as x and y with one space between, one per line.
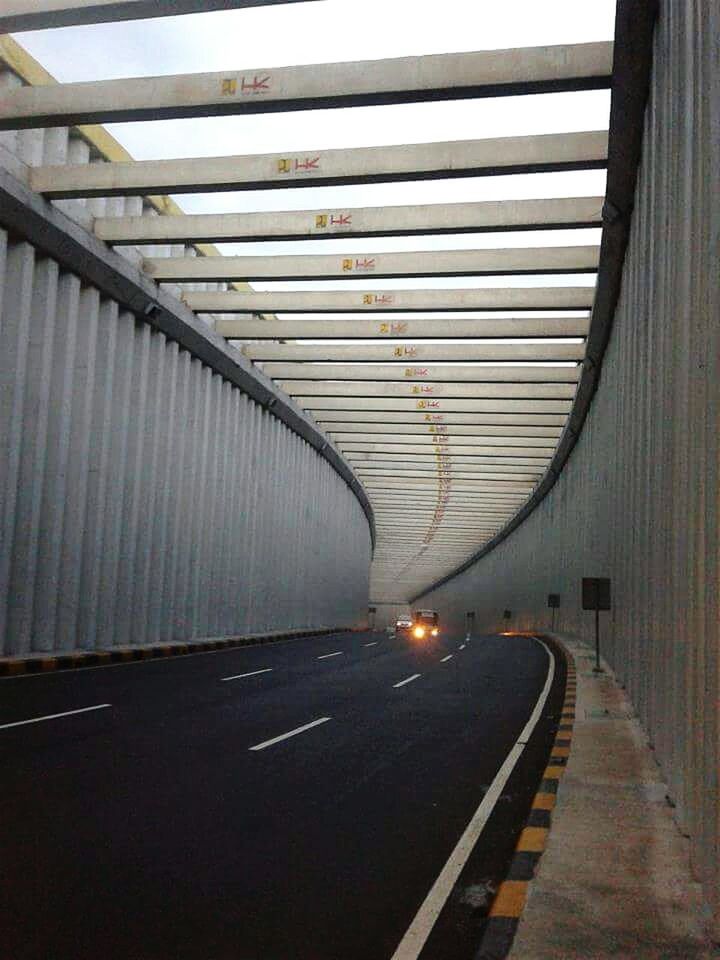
150 830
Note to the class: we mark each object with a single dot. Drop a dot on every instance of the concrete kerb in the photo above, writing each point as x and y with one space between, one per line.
509 902
48 662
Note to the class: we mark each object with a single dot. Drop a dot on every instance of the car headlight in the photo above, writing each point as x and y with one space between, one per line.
419 632
434 631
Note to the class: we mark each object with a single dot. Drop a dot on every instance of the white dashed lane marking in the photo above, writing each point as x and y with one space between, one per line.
445 659
54 716
326 655
253 673
290 733
407 680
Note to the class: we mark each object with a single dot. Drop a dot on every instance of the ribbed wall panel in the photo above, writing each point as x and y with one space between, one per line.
638 500
144 497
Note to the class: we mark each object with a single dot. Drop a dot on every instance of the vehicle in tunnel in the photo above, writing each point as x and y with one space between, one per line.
403 626
425 623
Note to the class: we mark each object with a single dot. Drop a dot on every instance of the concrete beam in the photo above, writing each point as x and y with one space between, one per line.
524 423
464 475
354 328
428 450
429 465
445 76
399 356
464 402
441 374
24 15
428 219
432 263
392 301
439 441
455 460
461 158
511 434
481 486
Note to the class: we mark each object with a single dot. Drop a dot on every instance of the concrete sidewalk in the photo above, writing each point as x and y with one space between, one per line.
614 882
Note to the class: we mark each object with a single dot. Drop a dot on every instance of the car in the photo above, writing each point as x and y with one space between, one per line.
403 626
425 624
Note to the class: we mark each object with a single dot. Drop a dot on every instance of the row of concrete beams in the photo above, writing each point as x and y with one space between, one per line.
23 15
447 76
392 301
428 219
255 328
421 161
431 263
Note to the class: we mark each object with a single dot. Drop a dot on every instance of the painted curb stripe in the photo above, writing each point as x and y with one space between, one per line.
94 658
506 910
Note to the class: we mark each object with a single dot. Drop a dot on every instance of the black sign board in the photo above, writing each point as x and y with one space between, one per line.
596 593
507 615
553 600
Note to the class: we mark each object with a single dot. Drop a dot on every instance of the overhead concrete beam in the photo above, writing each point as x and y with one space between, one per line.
317 406
392 301
461 158
330 419
402 355
445 76
456 459
438 441
460 475
512 434
482 486
428 219
432 263
23 15
429 465
515 396
438 373
430 451
392 330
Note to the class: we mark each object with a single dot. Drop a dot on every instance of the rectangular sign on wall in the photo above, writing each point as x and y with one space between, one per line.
596 593
553 600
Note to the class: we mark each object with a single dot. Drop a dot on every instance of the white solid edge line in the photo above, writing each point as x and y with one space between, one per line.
253 673
419 930
54 716
326 655
373 644
406 680
445 659
290 733
461 647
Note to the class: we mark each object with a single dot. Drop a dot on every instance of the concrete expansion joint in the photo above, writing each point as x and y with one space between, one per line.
16 666
512 894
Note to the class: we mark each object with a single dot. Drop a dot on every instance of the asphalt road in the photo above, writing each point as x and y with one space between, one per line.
180 821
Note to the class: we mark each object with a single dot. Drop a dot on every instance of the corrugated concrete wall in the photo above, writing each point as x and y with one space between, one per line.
143 497
638 501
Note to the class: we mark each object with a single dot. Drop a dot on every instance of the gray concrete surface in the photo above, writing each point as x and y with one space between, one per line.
614 882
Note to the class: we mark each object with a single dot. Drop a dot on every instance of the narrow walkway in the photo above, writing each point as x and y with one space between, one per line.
614 882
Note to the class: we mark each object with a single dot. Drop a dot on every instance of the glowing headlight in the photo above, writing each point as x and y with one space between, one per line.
419 632
434 631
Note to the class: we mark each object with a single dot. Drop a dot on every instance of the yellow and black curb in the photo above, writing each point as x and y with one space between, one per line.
509 903
17 666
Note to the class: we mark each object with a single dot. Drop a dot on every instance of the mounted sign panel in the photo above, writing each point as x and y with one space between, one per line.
596 596
595 593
